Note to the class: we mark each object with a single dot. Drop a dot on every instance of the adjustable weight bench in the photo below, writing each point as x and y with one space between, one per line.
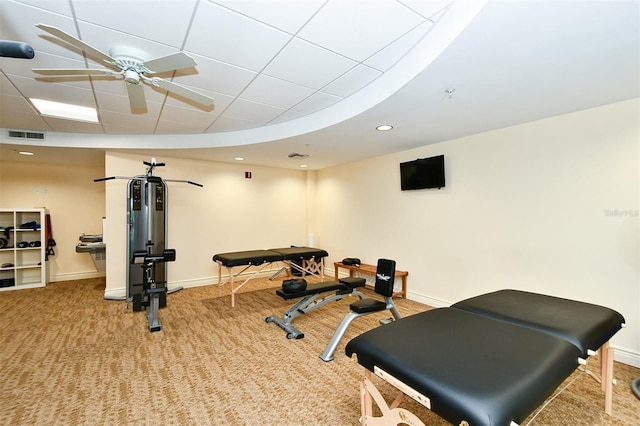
345 287
385 274
489 360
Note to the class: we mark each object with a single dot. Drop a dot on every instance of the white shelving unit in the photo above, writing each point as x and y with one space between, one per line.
24 267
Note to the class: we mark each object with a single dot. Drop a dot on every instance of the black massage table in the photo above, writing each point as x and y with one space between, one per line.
488 360
307 260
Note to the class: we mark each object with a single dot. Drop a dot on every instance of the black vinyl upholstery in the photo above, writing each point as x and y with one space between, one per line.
472 367
585 325
258 257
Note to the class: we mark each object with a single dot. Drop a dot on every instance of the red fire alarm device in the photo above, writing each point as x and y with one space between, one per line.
247 175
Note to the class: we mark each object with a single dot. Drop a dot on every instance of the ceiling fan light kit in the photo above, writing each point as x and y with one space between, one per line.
130 63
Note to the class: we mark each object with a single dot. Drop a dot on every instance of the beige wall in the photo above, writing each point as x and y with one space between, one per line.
76 205
230 213
549 206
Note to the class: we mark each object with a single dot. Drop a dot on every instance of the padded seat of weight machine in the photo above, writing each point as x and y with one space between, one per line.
471 367
364 306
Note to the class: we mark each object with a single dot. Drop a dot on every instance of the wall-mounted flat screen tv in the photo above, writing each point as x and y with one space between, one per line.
422 173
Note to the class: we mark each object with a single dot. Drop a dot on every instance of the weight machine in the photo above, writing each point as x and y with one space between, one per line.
146 243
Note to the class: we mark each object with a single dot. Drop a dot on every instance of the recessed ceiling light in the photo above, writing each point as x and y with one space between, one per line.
303 166
239 158
384 127
25 153
66 111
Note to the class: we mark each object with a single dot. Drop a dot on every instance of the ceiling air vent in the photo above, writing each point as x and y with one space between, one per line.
21 134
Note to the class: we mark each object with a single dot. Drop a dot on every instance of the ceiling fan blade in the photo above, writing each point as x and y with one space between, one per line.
137 100
175 61
89 50
72 71
182 91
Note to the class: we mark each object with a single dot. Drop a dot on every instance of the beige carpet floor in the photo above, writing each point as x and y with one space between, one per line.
69 357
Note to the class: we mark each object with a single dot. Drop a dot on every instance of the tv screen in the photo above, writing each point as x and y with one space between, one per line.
422 173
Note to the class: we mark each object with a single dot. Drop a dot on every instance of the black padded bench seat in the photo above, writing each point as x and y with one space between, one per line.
292 256
465 366
345 287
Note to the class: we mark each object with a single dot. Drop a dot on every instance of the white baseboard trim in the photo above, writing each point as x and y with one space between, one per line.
75 276
427 300
626 356
121 292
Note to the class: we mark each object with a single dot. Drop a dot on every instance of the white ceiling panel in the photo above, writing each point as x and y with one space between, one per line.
216 76
188 116
128 123
163 21
273 91
352 81
386 58
359 28
226 123
428 9
175 128
230 37
320 67
254 111
296 13
316 102
62 7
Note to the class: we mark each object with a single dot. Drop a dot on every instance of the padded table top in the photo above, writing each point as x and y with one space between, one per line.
248 257
585 325
300 253
471 367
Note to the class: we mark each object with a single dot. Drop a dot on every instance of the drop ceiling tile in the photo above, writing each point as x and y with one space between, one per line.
13 28
255 111
352 81
318 68
271 11
428 9
390 55
276 92
359 28
316 102
104 39
163 21
128 123
215 76
230 37
188 115
120 104
287 116
225 124
62 7
175 127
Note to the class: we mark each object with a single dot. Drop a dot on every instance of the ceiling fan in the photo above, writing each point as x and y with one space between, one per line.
129 63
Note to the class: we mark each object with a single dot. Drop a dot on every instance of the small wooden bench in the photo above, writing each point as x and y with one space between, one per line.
371 270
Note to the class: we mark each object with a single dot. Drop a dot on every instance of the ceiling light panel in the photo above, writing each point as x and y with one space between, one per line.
64 110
